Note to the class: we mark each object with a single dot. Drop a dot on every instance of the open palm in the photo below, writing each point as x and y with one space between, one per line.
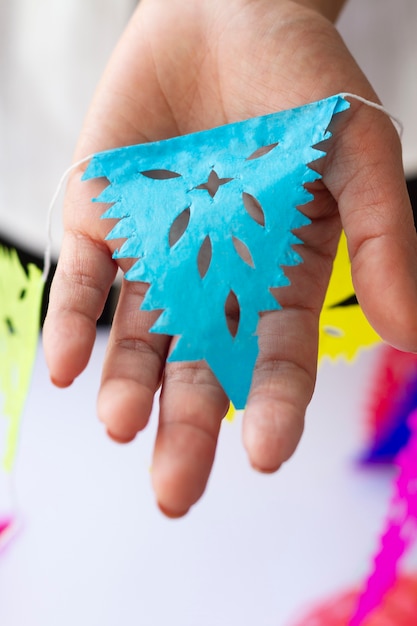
186 66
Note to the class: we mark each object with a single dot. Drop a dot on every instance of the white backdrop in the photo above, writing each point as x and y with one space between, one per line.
94 550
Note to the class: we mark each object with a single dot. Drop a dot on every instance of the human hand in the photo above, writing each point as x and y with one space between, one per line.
182 67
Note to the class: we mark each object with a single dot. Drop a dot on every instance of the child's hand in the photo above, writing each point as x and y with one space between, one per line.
186 66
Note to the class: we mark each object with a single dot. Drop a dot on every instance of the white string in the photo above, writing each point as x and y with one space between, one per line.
378 107
62 181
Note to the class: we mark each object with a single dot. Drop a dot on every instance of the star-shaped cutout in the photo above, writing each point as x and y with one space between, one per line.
213 183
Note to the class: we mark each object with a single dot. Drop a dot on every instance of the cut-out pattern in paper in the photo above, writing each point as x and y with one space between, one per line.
344 329
20 301
210 219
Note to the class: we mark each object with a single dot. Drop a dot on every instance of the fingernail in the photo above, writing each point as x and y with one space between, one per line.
60 384
118 438
265 470
171 514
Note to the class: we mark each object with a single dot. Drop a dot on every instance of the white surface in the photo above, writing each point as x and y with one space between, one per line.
95 551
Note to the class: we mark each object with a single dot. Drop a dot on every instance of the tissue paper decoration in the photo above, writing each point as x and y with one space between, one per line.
210 219
8 528
20 302
344 329
400 532
398 609
393 397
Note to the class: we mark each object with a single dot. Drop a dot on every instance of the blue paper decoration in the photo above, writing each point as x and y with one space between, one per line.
210 219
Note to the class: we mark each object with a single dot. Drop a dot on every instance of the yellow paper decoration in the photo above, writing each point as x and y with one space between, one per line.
20 302
344 329
231 413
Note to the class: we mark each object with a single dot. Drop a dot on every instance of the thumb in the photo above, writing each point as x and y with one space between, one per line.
365 175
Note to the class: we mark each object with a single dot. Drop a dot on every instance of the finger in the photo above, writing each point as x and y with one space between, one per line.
285 372
365 176
282 387
79 290
192 406
84 275
132 367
